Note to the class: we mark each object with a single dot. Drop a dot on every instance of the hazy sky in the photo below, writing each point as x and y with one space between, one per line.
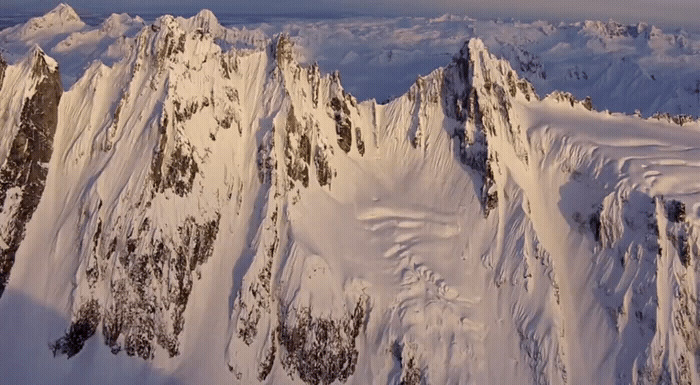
685 13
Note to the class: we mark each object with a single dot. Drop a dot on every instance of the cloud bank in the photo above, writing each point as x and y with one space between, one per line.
682 13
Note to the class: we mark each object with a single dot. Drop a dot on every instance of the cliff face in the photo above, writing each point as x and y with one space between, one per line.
229 214
3 67
24 165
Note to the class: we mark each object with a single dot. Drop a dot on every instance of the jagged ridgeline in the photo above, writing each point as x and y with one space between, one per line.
208 204
142 247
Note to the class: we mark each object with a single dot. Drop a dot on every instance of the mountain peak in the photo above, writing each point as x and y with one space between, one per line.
64 13
62 19
283 48
205 19
118 23
612 28
42 65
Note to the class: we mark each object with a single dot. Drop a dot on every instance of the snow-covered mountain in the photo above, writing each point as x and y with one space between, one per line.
199 206
622 67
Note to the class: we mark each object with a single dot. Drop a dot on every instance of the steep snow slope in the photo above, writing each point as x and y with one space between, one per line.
226 214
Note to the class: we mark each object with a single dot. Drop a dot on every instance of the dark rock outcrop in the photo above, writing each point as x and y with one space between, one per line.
297 150
81 329
319 350
359 141
343 126
324 173
675 211
3 65
137 318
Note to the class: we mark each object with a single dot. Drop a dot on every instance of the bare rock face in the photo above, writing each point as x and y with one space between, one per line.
319 350
23 173
461 103
3 65
87 320
297 150
283 50
359 141
343 125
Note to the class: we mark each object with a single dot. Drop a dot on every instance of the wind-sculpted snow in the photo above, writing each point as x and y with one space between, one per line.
220 212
